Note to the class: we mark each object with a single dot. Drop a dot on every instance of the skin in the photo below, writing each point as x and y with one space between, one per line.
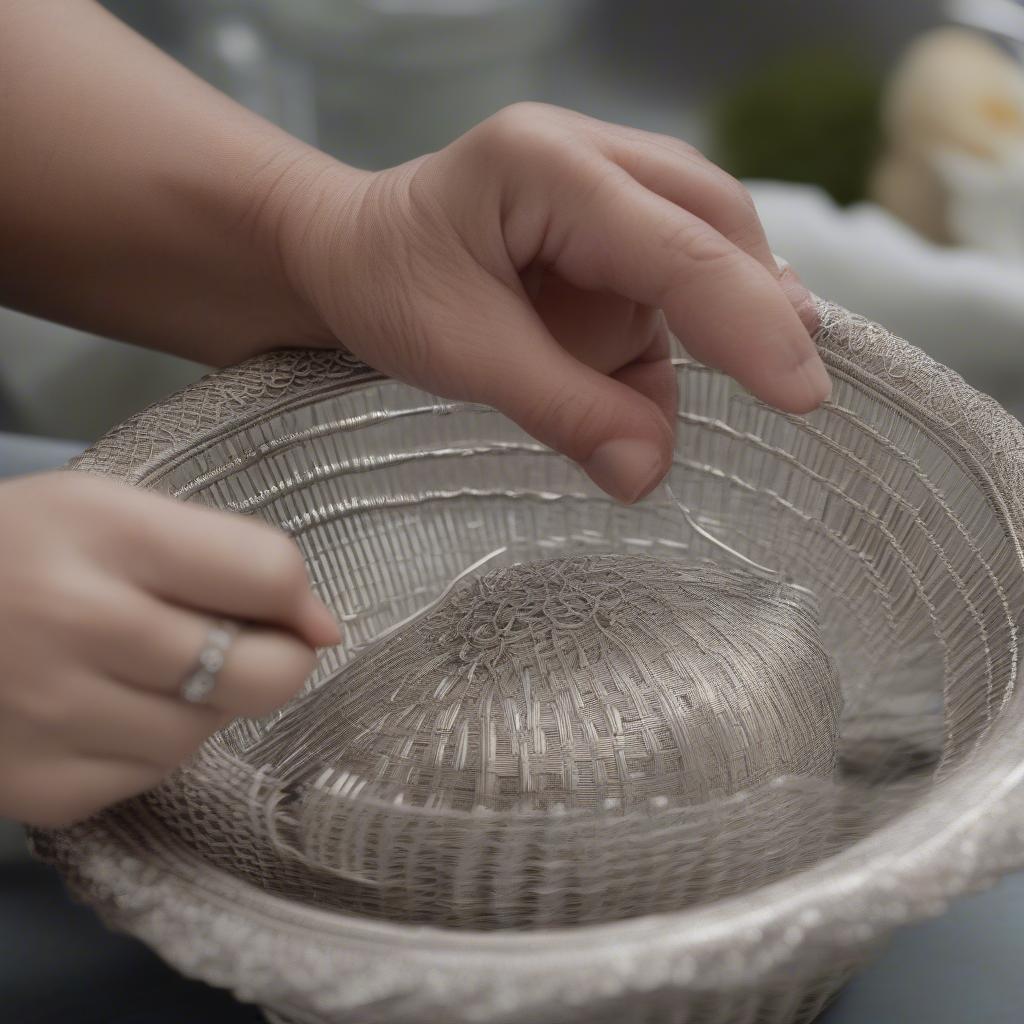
536 264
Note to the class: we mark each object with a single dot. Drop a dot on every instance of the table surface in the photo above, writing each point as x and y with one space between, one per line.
962 968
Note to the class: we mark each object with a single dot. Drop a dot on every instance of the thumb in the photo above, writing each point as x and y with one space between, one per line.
617 435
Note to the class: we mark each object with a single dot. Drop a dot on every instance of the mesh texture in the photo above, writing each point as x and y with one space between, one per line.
899 506
552 744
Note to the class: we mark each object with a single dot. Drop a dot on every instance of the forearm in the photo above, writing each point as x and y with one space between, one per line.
138 202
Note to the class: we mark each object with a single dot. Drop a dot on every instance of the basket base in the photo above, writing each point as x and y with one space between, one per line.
794 1007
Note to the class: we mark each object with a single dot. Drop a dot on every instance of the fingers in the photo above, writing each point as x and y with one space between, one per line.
611 210
800 298
54 793
652 373
228 565
611 335
82 738
725 307
153 647
92 660
678 172
618 433
92 740
99 718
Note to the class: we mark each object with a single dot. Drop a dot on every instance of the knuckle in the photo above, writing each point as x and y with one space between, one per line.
282 565
740 198
518 116
699 242
744 221
684 148
670 143
527 128
549 410
573 417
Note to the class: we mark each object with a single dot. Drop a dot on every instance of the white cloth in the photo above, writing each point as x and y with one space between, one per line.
965 308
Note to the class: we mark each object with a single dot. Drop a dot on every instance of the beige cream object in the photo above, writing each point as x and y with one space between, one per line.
953 166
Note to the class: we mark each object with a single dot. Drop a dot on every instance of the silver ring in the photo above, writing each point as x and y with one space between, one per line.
200 682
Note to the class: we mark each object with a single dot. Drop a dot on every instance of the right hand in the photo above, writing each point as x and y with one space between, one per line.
536 265
107 594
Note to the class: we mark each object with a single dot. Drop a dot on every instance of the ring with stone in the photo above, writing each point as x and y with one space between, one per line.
199 684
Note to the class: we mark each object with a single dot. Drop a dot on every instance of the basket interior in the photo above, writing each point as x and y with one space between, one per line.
866 503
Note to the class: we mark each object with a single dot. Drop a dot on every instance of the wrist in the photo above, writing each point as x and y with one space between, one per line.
304 208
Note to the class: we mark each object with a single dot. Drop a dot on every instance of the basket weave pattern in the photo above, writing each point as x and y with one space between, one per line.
900 506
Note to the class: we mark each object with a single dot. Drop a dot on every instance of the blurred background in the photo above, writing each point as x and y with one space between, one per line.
893 182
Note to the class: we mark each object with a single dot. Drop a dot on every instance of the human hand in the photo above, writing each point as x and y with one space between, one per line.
527 265
106 597
523 266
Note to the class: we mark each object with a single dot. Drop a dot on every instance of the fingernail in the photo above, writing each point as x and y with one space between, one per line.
328 630
800 297
797 292
801 300
814 381
627 469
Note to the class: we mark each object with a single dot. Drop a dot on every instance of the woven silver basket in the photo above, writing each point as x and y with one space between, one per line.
682 762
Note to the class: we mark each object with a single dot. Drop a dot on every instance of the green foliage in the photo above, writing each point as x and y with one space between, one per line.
810 118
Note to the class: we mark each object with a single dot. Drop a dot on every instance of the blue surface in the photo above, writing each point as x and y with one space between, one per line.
966 967
21 454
